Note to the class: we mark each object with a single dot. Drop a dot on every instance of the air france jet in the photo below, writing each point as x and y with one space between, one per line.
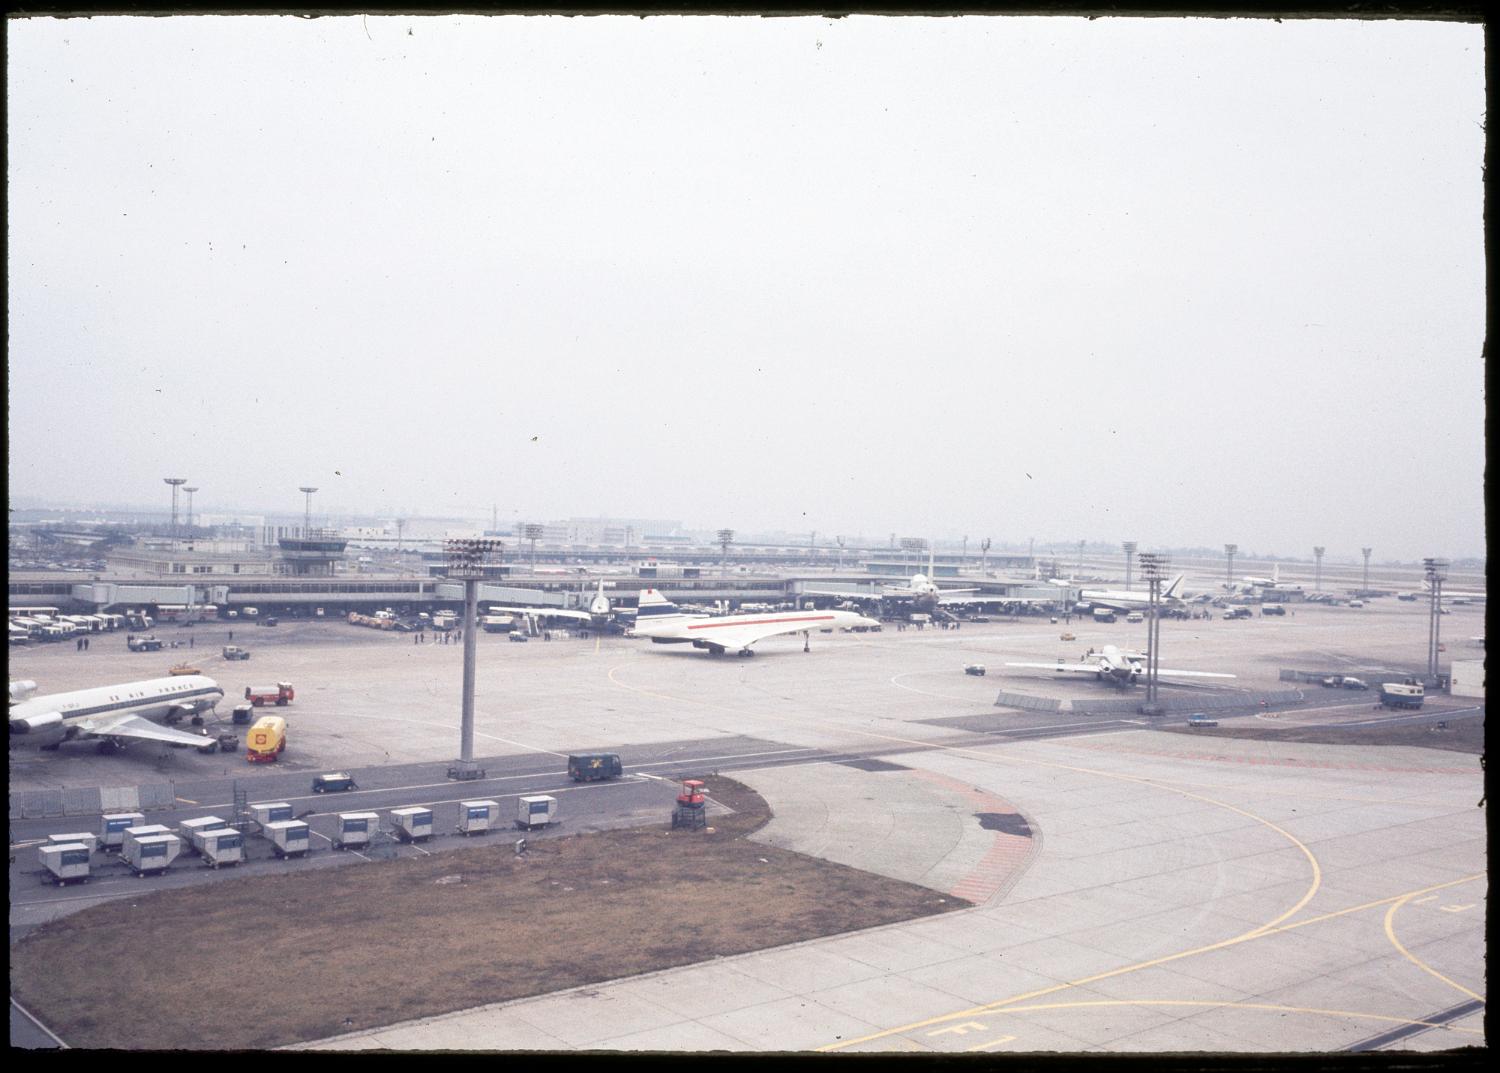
1171 596
1116 667
924 595
661 620
114 715
599 615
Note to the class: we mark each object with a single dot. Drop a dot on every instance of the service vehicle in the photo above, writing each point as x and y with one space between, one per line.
1272 609
590 767
184 668
334 782
1407 693
280 694
1135 616
236 652
975 669
1198 719
1067 637
143 644
270 620
1356 603
1237 612
1104 614
516 635
266 739
1353 683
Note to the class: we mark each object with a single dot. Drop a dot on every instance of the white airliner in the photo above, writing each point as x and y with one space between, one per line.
599 615
1171 596
925 596
662 621
114 715
1250 582
1117 667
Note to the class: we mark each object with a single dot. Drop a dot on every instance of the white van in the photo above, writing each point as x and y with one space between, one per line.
1135 616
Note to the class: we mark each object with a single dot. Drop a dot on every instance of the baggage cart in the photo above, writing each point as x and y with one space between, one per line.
535 811
65 861
475 817
112 828
151 854
356 829
412 824
289 838
221 846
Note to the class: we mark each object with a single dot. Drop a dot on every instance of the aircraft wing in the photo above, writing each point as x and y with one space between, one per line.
945 600
544 612
1192 674
733 636
135 727
1075 668
867 596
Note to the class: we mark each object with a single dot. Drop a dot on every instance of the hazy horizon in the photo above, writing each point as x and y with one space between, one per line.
1179 280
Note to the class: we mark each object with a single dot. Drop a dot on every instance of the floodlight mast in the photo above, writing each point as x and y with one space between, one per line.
466 562
176 483
1129 546
1153 566
1229 550
1437 572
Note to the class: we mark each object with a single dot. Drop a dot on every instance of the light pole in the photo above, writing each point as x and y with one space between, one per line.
1437 573
176 483
1080 558
840 542
1129 547
189 492
466 563
1229 550
400 529
1153 566
533 533
1318 571
726 538
984 559
1366 553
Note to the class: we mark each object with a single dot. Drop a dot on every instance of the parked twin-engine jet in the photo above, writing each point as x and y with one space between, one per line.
1116 666
924 595
664 623
114 715
599 615
1171 596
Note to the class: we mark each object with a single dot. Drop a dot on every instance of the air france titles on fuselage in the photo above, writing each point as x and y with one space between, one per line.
115 714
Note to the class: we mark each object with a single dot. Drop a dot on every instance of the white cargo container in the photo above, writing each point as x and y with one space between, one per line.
475 817
192 831
82 838
356 829
223 845
151 853
413 824
132 835
271 812
290 838
112 827
536 811
65 860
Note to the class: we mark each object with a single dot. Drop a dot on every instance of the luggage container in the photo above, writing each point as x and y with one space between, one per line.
83 838
243 714
151 853
271 812
475 817
412 824
65 861
221 846
131 835
192 831
356 829
290 838
112 828
536 811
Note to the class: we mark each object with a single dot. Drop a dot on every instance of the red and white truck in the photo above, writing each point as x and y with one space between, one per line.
280 694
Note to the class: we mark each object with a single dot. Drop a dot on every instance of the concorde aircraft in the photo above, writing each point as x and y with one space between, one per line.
662 621
1117 667
114 715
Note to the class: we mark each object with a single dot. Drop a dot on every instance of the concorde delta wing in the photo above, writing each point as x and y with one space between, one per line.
1073 668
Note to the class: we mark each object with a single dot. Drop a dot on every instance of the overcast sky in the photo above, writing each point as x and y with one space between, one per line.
1183 281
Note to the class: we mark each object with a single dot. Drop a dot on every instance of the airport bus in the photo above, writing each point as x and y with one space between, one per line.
46 614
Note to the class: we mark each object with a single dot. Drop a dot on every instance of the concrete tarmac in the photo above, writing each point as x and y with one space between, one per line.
1134 890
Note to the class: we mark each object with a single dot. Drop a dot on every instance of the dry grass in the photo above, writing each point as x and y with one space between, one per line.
272 960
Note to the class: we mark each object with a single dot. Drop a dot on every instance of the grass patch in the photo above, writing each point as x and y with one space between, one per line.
1462 735
273 960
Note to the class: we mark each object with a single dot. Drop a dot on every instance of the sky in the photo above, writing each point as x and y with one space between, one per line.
1180 281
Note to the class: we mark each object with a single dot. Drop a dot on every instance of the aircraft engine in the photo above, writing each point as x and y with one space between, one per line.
19 691
43 729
